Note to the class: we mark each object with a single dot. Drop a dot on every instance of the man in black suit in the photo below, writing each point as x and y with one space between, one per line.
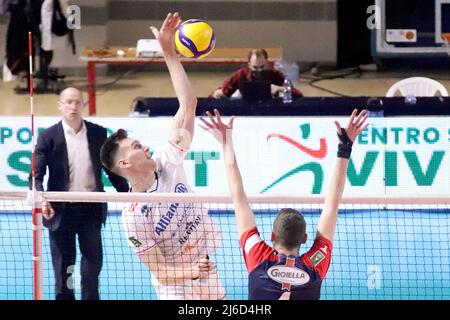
71 151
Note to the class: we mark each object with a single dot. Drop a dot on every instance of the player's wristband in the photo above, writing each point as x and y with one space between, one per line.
345 145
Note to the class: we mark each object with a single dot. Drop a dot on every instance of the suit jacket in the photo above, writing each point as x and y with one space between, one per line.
51 152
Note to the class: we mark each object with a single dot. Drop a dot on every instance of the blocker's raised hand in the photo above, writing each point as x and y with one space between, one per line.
221 131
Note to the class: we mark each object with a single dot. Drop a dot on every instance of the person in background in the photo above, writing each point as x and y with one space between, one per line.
303 274
70 150
258 68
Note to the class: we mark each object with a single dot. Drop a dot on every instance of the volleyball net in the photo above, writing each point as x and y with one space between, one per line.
384 247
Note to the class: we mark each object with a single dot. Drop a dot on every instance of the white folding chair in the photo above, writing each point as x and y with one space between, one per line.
417 86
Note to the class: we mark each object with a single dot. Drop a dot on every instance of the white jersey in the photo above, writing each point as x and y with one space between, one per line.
184 232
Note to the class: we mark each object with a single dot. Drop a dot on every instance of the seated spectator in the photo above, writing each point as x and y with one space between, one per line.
258 69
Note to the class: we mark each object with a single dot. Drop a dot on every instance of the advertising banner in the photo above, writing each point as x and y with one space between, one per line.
277 155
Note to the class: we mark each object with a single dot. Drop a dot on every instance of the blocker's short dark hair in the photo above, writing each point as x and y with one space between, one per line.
289 228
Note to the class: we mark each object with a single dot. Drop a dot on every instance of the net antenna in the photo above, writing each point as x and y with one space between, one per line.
34 197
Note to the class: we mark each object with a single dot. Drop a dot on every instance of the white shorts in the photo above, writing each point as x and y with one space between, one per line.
201 289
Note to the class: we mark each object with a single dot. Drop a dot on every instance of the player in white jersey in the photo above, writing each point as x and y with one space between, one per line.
173 239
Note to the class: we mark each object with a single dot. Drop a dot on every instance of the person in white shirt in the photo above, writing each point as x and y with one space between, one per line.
70 150
173 239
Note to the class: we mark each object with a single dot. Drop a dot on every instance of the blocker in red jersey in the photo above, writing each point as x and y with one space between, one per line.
279 272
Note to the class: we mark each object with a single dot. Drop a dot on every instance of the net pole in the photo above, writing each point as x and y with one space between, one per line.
36 204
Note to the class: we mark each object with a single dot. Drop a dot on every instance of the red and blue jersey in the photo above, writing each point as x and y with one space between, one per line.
274 276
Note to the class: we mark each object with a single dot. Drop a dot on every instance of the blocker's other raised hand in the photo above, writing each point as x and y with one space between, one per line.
355 126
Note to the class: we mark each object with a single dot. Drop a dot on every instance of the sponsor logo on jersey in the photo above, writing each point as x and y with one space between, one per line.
146 210
132 207
288 275
164 222
317 258
188 209
187 248
190 228
135 242
181 188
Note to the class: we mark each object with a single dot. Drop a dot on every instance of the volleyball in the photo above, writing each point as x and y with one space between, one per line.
195 39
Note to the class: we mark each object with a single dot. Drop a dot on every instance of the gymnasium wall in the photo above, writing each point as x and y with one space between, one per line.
305 29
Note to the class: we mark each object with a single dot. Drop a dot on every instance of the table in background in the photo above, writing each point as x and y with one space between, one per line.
108 55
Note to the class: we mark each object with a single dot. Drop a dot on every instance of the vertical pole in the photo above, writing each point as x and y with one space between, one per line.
91 87
38 293
36 204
